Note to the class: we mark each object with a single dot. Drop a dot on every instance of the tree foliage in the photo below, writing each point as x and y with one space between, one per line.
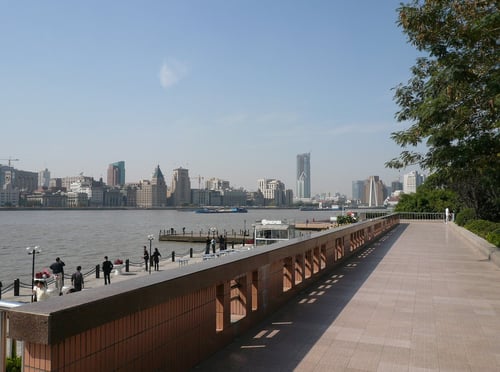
452 100
428 199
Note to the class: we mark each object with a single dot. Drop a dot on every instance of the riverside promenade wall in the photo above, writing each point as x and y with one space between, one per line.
174 319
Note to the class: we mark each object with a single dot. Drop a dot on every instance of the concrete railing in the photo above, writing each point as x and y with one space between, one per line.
177 318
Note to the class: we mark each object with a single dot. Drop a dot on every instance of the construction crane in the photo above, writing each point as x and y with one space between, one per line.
10 159
200 179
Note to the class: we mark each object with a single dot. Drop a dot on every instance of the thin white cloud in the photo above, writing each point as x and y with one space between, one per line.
171 73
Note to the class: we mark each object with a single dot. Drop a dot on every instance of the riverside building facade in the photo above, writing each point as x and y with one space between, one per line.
153 193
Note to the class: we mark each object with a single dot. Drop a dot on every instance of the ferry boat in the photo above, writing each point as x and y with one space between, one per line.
222 210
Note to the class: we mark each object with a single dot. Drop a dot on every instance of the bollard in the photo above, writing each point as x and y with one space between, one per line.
190 256
97 270
0 290
16 287
232 244
127 265
173 256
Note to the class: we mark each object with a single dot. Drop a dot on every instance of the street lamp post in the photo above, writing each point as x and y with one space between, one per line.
150 238
33 251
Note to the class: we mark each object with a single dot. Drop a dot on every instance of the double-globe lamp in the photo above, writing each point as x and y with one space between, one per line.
33 251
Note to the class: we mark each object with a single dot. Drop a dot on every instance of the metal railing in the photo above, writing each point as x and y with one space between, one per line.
408 216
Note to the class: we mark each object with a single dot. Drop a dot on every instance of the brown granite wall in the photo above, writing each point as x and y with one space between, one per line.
175 319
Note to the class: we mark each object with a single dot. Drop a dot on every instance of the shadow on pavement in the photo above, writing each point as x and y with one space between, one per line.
281 341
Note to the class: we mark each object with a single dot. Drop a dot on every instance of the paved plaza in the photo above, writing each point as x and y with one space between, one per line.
420 299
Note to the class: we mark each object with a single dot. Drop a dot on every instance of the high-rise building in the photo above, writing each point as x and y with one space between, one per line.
181 187
411 181
116 174
375 192
304 176
217 184
358 191
273 191
396 186
44 178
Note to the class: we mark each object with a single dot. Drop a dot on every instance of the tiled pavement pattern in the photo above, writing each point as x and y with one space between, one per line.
421 299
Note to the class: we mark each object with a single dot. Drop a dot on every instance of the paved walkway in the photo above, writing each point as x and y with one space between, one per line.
92 282
422 299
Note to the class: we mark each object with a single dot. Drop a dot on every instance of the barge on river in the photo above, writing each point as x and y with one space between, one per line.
222 210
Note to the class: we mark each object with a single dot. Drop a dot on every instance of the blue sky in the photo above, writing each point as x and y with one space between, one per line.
229 89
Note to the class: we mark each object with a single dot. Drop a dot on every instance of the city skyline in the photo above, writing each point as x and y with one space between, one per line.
203 183
228 90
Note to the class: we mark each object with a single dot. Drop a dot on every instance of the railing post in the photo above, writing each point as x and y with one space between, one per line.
97 271
16 287
0 290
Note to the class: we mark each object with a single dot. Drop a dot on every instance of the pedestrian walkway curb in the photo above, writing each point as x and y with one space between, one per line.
484 247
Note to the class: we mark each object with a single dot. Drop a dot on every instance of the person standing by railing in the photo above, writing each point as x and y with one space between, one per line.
77 279
146 258
107 266
58 270
156 259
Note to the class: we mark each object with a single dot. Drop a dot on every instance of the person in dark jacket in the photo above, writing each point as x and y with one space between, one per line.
58 270
146 258
156 259
77 279
107 266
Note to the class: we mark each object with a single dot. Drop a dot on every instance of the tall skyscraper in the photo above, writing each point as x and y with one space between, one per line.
44 178
181 187
304 176
375 192
116 174
411 181
358 191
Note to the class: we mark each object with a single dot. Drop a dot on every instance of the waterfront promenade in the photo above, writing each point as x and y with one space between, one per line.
420 299
91 282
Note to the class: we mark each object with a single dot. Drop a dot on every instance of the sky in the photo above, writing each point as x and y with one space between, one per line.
232 89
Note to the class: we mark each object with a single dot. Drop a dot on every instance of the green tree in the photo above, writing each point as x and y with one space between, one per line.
429 199
452 100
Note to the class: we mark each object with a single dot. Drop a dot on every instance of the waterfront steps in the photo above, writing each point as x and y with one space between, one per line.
421 299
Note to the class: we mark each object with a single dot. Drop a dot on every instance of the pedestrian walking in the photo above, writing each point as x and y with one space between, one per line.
107 266
156 259
146 258
77 279
57 268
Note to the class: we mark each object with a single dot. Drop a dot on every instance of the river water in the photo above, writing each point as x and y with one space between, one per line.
84 237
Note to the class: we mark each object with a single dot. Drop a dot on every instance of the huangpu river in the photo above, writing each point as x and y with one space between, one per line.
84 237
